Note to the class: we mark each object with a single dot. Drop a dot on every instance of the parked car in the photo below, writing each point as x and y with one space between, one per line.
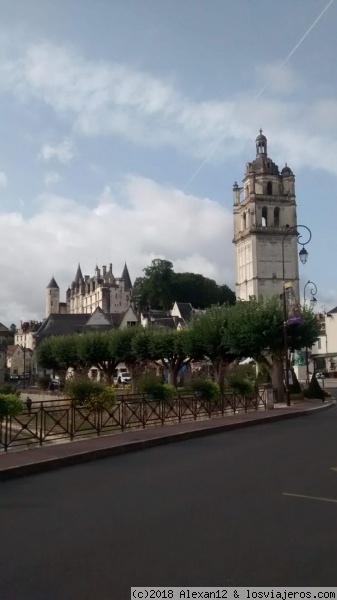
124 377
320 375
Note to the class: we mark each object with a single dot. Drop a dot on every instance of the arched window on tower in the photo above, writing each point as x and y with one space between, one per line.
276 217
269 188
264 216
244 221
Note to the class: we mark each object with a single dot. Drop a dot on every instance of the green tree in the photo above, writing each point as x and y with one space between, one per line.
125 352
60 353
255 329
161 286
156 285
98 349
207 332
172 349
196 289
226 295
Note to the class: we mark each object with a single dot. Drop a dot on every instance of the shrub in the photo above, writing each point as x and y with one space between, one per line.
86 393
152 385
314 390
207 389
295 388
263 376
10 405
168 392
104 401
43 382
241 385
9 389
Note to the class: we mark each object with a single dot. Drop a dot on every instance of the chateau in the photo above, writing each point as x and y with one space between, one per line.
264 208
86 294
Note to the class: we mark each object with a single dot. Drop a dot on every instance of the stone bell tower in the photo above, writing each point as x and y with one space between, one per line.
264 208
52 298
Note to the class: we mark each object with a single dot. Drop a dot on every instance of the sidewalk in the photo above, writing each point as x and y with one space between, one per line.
54 456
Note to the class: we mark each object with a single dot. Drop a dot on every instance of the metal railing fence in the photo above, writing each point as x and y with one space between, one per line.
56 420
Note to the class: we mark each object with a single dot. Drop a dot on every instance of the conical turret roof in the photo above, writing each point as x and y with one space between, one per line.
127 279
52 284
78 276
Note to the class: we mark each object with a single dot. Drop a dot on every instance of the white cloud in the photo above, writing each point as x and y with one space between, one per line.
135 222
106 98
51 177
282 79
3 179
62 152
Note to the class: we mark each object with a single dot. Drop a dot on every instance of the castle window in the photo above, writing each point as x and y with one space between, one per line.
276 217
244 221
264 216
269 188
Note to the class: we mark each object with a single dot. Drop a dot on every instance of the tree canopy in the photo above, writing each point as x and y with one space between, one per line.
161 286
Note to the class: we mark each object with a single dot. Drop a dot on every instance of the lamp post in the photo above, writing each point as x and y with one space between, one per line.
303 254
313 292
24 366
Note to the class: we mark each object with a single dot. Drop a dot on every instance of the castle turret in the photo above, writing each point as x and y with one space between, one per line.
52 298
127 279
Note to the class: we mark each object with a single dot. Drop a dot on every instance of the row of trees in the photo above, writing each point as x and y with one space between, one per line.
222 334
161 286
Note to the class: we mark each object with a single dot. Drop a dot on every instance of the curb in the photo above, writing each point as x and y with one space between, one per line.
90 455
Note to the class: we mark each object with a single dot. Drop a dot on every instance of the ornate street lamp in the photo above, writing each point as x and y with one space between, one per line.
313 301
303 254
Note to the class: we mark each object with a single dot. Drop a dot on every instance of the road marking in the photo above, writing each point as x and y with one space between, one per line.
334 468
310 497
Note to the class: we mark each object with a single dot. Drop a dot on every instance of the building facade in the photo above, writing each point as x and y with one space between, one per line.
25 334
264 208
324 351
86 294
19 360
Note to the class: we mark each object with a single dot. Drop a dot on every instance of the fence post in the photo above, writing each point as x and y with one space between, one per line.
99 417
72 420
162 412
6 433
41 423
122 419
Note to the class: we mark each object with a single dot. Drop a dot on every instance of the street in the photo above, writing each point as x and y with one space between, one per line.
251 507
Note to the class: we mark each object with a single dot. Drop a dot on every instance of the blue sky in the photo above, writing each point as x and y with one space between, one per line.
109 109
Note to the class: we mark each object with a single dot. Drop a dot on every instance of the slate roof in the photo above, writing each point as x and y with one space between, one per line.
167 322
3 328
78 276
333 311
156 314
59 324
185 309
52 284
65 324
127 279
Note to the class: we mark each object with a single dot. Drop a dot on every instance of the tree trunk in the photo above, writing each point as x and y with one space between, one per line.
277 378
172 375
219 374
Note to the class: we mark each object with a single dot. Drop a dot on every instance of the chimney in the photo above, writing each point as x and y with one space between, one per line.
104 270
110 267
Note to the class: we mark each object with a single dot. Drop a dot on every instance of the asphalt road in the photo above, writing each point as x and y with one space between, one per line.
207 512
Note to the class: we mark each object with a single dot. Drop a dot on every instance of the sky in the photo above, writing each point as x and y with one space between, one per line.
124 124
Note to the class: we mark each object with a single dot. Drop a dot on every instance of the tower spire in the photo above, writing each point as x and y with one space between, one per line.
127 279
